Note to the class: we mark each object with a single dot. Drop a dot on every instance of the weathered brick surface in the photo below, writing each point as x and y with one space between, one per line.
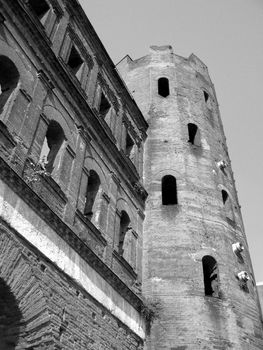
51 310
176 237
47 310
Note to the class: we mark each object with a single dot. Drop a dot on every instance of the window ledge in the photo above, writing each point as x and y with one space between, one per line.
125 263
6 137
94 231
38 25
104 125
55 186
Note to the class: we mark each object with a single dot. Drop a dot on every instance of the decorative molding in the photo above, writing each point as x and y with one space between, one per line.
45 80
83 133
141 213
125 264
76 40
26 193
57 8
140 190
70 151
135 234
115 178
91 228
110 94
118 212
106 197
27 96
45 118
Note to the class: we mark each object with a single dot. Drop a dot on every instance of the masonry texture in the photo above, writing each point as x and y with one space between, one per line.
120 226
199 225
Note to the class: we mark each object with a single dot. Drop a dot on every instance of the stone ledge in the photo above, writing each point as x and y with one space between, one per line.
125 264
25 192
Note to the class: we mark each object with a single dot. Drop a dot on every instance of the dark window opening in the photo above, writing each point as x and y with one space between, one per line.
194 134
129 145
211 278
41 8
169 190
206 95
104 106
224 196
51 146
92 194
11 320
9 78
124 226
75 62
163 87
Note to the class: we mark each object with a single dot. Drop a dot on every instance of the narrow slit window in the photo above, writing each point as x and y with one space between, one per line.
206 96
9 78
211 277
169 190
92 194
228 207
163 87
75 62
194 134
124 226
41 9
51 146
224 196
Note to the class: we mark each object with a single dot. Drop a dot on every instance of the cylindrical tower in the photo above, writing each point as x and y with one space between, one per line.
195 255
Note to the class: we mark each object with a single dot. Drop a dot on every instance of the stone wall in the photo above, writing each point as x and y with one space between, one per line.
200 218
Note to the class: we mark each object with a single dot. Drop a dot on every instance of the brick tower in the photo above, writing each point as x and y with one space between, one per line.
195 255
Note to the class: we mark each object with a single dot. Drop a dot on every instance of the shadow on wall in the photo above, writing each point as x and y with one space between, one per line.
10 319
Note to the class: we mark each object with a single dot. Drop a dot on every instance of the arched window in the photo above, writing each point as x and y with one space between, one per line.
194 134
169 190
163 87
92 194
229 212
11 319
9 78
124 226
206 96
51 146
224 196
211 278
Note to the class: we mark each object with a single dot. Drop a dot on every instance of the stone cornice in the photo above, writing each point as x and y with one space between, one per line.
18 185
88 31
125 264
76 40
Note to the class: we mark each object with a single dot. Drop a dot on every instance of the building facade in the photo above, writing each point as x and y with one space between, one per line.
71 198
105 231
195 255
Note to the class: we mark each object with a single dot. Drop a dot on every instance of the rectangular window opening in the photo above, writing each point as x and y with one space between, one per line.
75 62
40 8
129 145
104 106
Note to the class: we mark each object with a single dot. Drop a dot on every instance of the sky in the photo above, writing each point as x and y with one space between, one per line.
227 35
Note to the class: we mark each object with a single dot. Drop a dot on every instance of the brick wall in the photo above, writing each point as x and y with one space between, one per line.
45 309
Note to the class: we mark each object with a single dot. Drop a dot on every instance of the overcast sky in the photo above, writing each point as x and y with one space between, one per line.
227 35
